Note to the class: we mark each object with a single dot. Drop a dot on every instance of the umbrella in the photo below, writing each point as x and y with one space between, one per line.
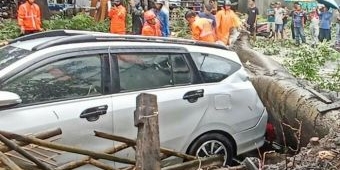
329 3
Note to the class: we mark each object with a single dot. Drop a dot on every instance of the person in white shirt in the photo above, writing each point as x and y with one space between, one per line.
337 37
279 14
314 26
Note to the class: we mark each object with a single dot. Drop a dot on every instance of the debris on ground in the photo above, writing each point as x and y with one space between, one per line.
323 154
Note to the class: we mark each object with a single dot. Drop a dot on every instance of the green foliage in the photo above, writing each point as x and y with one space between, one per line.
78 22
180 26
272 49
269 48
9 29
333 83
306 62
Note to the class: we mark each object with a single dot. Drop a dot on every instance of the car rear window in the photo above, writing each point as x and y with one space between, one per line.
10 54
214 68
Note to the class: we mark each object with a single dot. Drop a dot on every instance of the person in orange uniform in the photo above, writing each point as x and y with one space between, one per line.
117 14
29 17
226 20
201 28
152 26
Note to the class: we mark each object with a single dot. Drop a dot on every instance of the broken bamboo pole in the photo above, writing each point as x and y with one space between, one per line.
17 148
8 162
133 142
41 135
81 162
128 168
148 145
62 147
197 164
101 165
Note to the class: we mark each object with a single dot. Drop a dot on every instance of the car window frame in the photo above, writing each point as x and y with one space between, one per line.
195 78
54 58
217 56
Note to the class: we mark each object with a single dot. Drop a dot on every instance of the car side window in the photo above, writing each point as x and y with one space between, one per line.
63 79
214 68
150 71
181 71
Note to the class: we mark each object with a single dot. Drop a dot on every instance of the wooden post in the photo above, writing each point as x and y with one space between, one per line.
148 144
102 11
93 5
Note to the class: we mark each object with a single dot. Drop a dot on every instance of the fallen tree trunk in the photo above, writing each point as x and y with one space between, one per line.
284 97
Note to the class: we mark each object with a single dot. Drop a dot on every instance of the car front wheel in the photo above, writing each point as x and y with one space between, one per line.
213 144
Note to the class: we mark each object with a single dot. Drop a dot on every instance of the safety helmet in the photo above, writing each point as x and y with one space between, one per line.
227 2
149 15
159 2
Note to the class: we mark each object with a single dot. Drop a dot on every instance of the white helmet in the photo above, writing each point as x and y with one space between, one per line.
227 2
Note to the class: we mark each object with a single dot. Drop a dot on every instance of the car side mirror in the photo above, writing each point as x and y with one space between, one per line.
9 99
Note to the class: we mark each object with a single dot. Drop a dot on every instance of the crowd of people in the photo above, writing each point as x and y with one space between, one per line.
319 18
205 26
208 25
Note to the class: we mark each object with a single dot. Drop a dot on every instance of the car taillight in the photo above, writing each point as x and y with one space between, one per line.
270 132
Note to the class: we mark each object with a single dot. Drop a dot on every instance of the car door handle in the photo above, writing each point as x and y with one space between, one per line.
93 113
192 96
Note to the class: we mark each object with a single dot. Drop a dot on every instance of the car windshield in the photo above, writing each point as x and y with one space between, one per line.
10 54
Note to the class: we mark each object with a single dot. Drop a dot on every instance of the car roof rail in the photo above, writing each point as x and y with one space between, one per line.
107 37
53 33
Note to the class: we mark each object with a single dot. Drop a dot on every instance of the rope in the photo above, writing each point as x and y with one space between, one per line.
154 114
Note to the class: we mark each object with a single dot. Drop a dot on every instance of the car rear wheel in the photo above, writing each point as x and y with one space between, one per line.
213 144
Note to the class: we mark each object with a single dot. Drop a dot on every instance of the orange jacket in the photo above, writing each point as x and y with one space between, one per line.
152 30
117 16
225 21
202 30
29 16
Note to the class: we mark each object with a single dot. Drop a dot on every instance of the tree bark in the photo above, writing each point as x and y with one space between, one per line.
45 12
286 101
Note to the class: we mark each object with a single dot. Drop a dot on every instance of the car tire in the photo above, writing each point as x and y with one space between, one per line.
218 141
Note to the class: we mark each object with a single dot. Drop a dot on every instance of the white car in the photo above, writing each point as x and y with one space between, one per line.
84 81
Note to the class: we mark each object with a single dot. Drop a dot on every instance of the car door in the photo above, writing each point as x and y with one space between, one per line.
69 91
170 76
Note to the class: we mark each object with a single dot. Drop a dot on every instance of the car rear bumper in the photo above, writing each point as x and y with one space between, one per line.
253 138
